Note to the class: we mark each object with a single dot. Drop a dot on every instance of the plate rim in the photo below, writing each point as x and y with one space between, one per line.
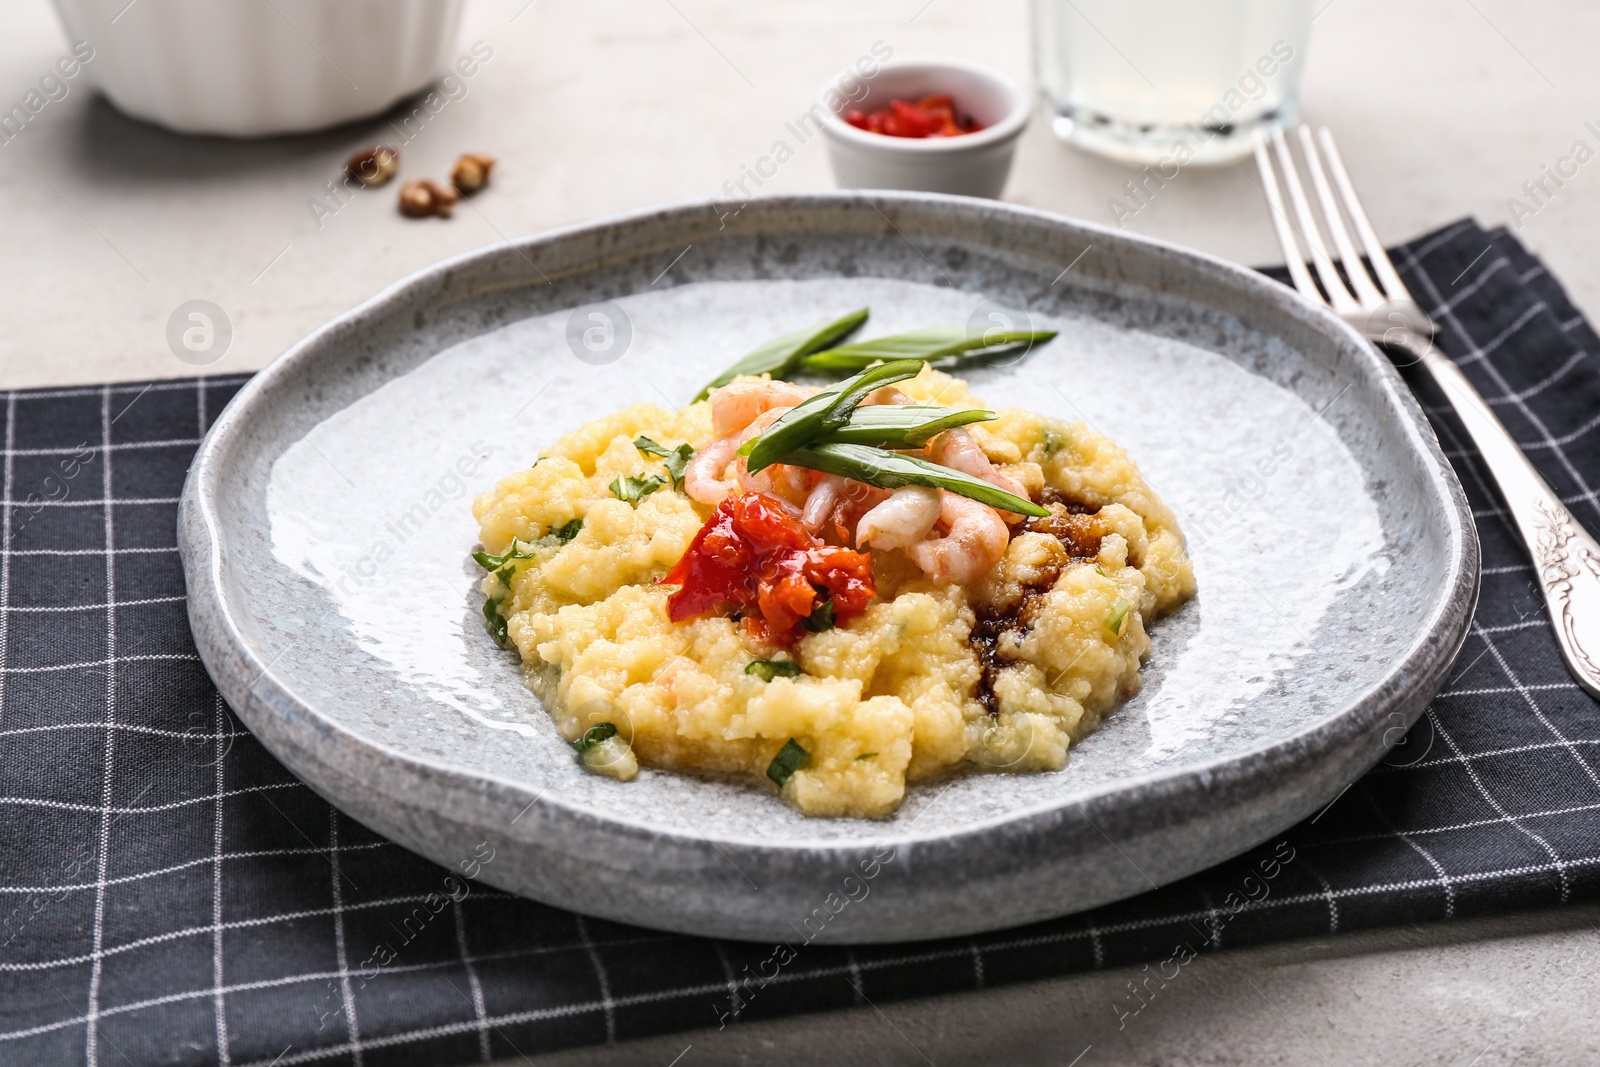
239 672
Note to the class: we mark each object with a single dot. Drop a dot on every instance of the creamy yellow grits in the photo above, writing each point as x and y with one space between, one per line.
932 679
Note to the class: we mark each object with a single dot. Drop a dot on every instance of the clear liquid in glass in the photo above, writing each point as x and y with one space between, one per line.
1183 81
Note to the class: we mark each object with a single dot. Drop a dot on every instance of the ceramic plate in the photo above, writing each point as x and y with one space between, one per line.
325 528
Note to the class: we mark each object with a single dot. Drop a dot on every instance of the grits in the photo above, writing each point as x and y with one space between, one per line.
1003 674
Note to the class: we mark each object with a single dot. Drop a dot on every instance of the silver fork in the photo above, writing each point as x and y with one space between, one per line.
1566 557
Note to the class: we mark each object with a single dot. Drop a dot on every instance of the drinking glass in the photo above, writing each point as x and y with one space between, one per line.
1169 81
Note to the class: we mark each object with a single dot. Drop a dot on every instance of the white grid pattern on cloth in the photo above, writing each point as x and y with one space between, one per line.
348 1009
476 987
217 964
1477 354
91 1019
225 934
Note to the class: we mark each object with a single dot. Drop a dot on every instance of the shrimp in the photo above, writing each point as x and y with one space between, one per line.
792 485
956 448
974 540
888 394
820 504
855 500
733 407
702 478
906 518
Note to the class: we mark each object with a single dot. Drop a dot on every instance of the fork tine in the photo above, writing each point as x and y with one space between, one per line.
1338 295
1387 277
1280 224
1354 269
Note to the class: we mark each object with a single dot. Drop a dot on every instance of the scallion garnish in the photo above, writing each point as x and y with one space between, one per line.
779 356
1119 612
892 470
635 487
594 735
852 391
768 669
903 425
930 345
820 619
811 418
866 755
790 758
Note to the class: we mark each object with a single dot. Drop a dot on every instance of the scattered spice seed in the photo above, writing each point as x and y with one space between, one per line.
373 166
421 199
471 172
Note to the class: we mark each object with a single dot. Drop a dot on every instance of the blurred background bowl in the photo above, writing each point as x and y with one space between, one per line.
253 68
973 164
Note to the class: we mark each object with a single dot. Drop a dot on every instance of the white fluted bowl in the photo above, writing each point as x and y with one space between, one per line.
253 68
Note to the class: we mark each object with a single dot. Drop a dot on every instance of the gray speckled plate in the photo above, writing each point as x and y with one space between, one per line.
325 529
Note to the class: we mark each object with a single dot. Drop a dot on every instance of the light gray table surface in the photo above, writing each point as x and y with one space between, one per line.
1443 108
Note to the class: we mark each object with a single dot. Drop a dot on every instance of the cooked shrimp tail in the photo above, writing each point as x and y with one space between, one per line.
975 537
901 521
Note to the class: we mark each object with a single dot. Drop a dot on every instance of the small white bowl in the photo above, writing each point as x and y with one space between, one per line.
973 164
253 68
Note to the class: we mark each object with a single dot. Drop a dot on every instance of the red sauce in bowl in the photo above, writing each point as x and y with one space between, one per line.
931 116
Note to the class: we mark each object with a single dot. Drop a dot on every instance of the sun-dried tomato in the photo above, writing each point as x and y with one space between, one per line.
753 557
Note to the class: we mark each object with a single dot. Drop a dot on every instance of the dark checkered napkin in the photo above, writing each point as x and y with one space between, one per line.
170 894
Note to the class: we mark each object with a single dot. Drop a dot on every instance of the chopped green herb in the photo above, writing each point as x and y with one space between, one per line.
635 487
1052 443
564 532
519 550
790 758
674 459
930 345
768 669
1101 571
558 536
779 356
866 755
902 425
820 619
891 470
594 735
496 621
1119 612
829 409
677 462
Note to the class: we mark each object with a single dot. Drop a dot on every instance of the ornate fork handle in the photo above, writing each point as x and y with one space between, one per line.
1565 556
